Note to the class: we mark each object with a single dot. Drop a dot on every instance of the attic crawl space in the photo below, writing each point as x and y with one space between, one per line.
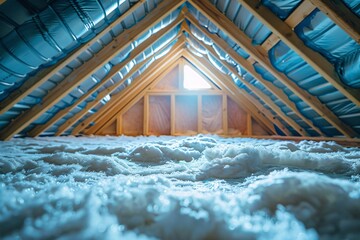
180 119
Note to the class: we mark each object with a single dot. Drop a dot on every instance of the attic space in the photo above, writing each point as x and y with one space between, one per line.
180 119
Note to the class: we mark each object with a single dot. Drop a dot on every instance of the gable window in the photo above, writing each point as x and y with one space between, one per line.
193 80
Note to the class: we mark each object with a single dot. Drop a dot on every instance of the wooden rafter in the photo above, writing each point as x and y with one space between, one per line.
109 106
260 55
313 58
109 90
257 92
302 11
36 81
337 11
257 109
249 68
86 70
90 105
114 70
135 90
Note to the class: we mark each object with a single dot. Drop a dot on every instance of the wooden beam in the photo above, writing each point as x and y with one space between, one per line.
313 58
114 70
337 11
184 92
146 116
40 78
133 94
249 124
228 85
259 54
70 122
92 118
249 68
111 106
82 73
119 125
301 12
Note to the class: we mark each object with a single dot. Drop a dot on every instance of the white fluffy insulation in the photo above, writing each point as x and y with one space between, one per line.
201 187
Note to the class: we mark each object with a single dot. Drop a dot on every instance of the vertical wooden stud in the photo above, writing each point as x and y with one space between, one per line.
119 125
146 115
249 124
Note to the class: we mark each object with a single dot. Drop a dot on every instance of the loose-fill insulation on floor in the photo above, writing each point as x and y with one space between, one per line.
200 187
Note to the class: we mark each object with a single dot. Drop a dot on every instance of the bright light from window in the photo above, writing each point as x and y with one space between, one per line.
193 80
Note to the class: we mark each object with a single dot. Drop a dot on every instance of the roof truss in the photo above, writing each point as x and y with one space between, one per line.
282 30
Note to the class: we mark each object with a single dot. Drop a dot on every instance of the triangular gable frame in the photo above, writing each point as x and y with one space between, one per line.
267 125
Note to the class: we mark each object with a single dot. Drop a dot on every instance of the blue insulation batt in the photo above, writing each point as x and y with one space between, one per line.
282 8
324 36
47 35
354 5
287 61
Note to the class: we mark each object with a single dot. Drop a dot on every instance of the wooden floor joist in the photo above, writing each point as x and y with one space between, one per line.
249 68
114 70
80 74
261 56
313 58
37 80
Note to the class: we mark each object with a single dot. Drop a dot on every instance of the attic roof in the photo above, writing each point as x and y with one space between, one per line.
63 63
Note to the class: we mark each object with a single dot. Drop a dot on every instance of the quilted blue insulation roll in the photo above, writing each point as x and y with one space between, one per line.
42 36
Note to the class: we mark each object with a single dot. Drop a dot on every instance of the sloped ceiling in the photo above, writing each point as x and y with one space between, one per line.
62 63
